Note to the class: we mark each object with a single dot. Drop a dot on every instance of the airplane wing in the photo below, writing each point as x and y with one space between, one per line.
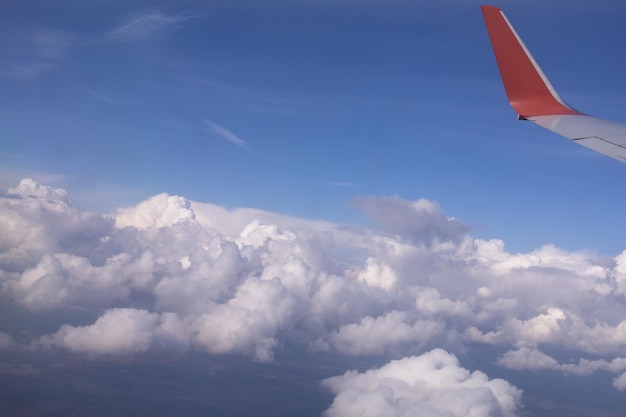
533 97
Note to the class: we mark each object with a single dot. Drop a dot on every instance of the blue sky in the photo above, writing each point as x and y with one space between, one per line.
230 201
333 99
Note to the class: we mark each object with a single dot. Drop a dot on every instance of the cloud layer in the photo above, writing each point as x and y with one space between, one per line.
169 275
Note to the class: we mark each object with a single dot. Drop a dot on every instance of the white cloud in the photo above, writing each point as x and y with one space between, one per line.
432 384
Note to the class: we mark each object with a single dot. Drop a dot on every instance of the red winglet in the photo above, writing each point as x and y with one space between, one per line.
529 91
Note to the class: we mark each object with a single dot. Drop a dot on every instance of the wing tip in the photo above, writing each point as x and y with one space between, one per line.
529 91
488 9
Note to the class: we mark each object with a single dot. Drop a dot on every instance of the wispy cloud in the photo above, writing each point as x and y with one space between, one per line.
51 44
146 26
97 95
227 134
37 52
28 70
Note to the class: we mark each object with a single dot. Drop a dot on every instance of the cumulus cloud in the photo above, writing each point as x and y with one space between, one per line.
160 211
432 384
30 188
419 222
558 328
178 275
374 336
39 221
123 331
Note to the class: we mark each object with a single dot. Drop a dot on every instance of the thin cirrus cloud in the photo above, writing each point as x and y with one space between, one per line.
42 51
97 95
29 70
51 44
227 134
170 276
146 25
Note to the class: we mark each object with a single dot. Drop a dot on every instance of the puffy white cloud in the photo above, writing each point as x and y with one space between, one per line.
558 328
249 282
430 302
375 336
31 188
377 274
39 220
123 331
249 322
432 384
159 211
